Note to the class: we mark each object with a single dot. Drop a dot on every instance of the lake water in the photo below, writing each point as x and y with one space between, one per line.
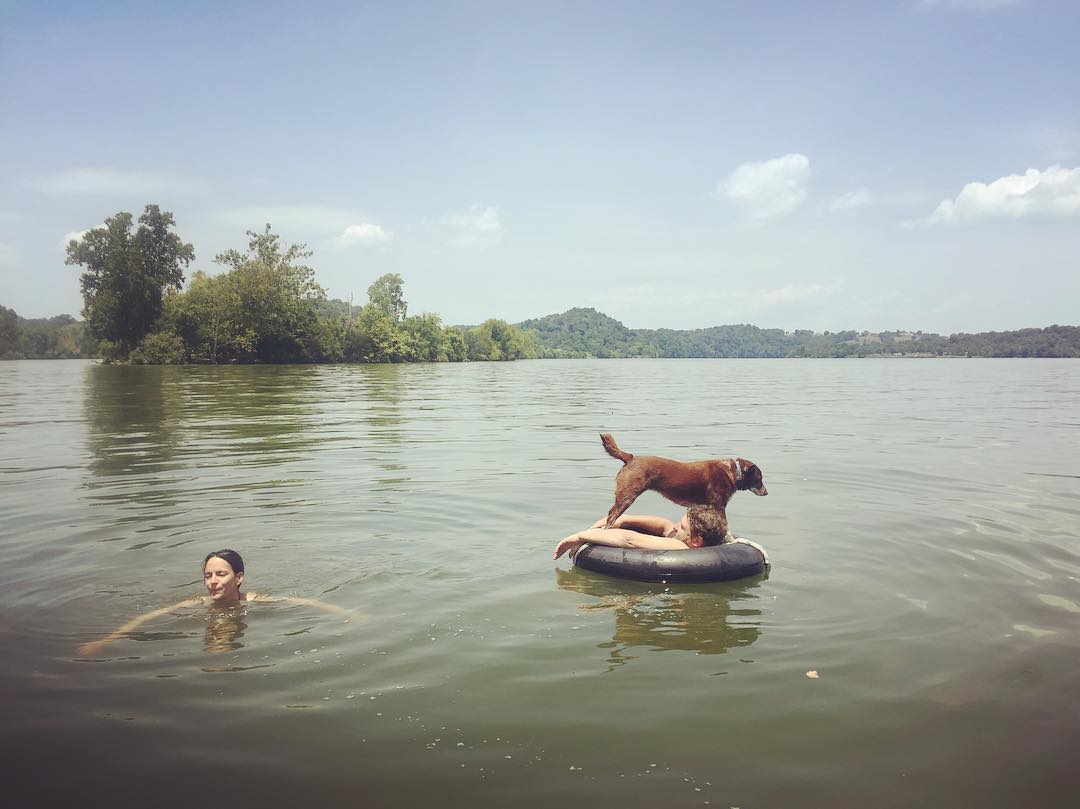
922 521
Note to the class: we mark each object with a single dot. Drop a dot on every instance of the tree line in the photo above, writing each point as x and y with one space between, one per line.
584 332
265 306
47 338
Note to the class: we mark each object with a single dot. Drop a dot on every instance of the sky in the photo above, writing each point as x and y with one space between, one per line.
890 165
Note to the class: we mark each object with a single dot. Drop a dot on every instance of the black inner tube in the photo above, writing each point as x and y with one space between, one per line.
732 560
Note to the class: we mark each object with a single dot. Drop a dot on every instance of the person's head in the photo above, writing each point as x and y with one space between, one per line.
223 573
705 525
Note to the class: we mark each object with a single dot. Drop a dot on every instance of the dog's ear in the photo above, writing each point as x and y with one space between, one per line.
751 475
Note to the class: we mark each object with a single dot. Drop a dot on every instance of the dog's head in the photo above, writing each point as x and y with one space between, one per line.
750 478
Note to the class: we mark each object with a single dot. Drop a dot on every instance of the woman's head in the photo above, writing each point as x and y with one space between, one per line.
223 573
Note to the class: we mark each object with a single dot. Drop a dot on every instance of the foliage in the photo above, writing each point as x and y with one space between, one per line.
588 333
58 337
380 331
9 332
387 296
374 336
206 317
127 274
585 333
159 348
267 303
430 341
498 340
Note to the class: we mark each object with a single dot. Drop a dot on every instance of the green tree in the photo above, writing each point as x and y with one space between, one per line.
386 294
497 340
457 347
127 274
273 300
9 332
374 336
207 317
159 348
431 342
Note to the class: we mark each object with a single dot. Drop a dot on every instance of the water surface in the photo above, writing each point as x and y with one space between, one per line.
922 519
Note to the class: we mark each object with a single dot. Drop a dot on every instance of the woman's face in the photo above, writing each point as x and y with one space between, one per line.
222 584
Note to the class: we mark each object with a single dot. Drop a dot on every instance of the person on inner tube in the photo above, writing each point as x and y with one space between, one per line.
700 526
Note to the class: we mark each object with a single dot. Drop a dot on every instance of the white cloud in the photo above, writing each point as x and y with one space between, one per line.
851 201
1054 192
365 235
768 190
476 228
74 235
112 181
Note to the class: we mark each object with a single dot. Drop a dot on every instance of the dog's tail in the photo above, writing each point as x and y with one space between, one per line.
613 450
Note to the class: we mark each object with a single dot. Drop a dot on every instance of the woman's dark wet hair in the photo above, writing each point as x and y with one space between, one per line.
230 556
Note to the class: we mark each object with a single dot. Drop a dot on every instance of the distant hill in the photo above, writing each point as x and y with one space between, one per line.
588 333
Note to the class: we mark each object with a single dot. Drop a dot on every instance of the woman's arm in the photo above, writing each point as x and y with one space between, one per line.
95 647
616 538
306 602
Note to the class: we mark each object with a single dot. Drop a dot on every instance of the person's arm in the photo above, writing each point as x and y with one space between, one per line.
95 647
616 538
305 602
645 523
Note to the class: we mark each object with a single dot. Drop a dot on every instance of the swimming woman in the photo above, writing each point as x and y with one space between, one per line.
223 574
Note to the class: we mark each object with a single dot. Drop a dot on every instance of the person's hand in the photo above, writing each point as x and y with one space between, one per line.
599 523
571 543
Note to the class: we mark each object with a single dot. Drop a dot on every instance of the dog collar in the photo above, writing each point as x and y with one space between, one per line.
738 470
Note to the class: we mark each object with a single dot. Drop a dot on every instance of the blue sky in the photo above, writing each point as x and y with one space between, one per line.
903 164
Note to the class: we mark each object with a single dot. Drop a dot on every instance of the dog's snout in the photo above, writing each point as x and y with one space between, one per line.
760 491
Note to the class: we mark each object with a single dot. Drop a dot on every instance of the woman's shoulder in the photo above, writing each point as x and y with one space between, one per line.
249 596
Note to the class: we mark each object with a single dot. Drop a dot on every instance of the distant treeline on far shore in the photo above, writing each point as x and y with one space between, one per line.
566 336
588 333
266 307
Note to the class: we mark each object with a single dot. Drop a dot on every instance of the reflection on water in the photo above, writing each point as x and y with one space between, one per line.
133 418
382 388
224 628
707 619
144 420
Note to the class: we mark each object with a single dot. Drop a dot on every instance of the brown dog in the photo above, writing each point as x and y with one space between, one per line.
706 483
